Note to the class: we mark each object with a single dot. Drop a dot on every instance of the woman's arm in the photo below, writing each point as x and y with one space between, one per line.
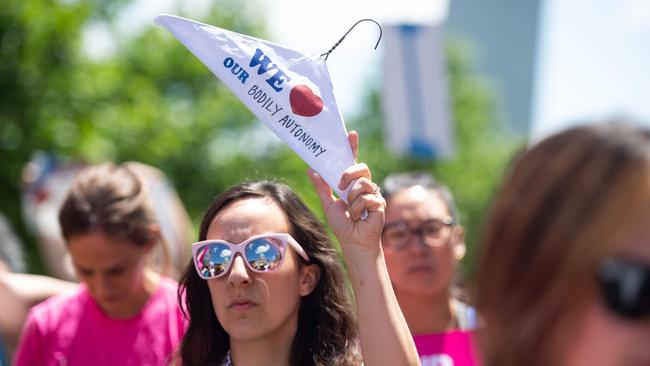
384 335
18 293
32 289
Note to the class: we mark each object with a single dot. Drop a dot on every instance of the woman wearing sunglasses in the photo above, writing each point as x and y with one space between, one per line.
265 286
563 276
123 313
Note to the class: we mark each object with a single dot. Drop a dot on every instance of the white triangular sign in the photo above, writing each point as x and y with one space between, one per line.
287 90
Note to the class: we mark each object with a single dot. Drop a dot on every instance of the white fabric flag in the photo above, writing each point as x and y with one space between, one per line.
287 90
414 90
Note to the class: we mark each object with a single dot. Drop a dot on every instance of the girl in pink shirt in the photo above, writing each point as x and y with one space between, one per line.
123 313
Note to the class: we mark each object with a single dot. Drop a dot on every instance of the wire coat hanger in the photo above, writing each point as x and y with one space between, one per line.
326 54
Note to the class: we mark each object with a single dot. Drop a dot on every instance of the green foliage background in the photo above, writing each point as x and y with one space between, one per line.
153 102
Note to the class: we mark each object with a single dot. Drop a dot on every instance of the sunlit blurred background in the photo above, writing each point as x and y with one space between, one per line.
83 82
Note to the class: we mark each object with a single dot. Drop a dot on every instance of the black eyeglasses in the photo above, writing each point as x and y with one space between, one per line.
432 232
625 287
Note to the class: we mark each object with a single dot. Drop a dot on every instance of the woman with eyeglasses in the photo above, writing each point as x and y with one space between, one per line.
563 275
422 243
265 286
124 312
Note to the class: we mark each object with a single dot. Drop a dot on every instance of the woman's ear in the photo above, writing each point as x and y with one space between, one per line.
459 251
310 275
154 237
458 243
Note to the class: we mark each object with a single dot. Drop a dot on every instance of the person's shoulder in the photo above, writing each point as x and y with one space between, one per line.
166 297
59 308
465 314
168 288
168 284
165 305
61 301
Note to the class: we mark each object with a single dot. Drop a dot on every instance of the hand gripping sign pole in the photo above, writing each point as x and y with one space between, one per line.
290 92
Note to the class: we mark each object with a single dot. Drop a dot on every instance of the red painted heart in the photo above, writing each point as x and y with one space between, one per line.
304 102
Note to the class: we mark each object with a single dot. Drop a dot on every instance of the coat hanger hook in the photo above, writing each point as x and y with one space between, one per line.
326 54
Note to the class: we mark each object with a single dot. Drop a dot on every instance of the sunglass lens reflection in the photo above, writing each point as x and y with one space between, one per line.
626 288
264 254
213 259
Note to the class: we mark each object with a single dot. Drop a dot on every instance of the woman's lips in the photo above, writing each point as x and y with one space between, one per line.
420 269
242 304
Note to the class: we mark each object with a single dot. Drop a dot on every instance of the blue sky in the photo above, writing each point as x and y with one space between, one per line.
594 62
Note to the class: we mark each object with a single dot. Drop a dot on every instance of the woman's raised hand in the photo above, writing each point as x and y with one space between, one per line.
384 335
345 219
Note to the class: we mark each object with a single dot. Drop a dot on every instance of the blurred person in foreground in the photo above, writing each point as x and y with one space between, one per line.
563 275
123 312
18 291
46 181
423 243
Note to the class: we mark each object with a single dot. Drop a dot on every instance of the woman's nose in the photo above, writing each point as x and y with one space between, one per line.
239 275
416 243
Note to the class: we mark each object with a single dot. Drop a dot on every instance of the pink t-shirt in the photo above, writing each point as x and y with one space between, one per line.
70 329
455 348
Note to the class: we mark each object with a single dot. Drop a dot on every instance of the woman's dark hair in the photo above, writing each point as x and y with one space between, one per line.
396 183
327 330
